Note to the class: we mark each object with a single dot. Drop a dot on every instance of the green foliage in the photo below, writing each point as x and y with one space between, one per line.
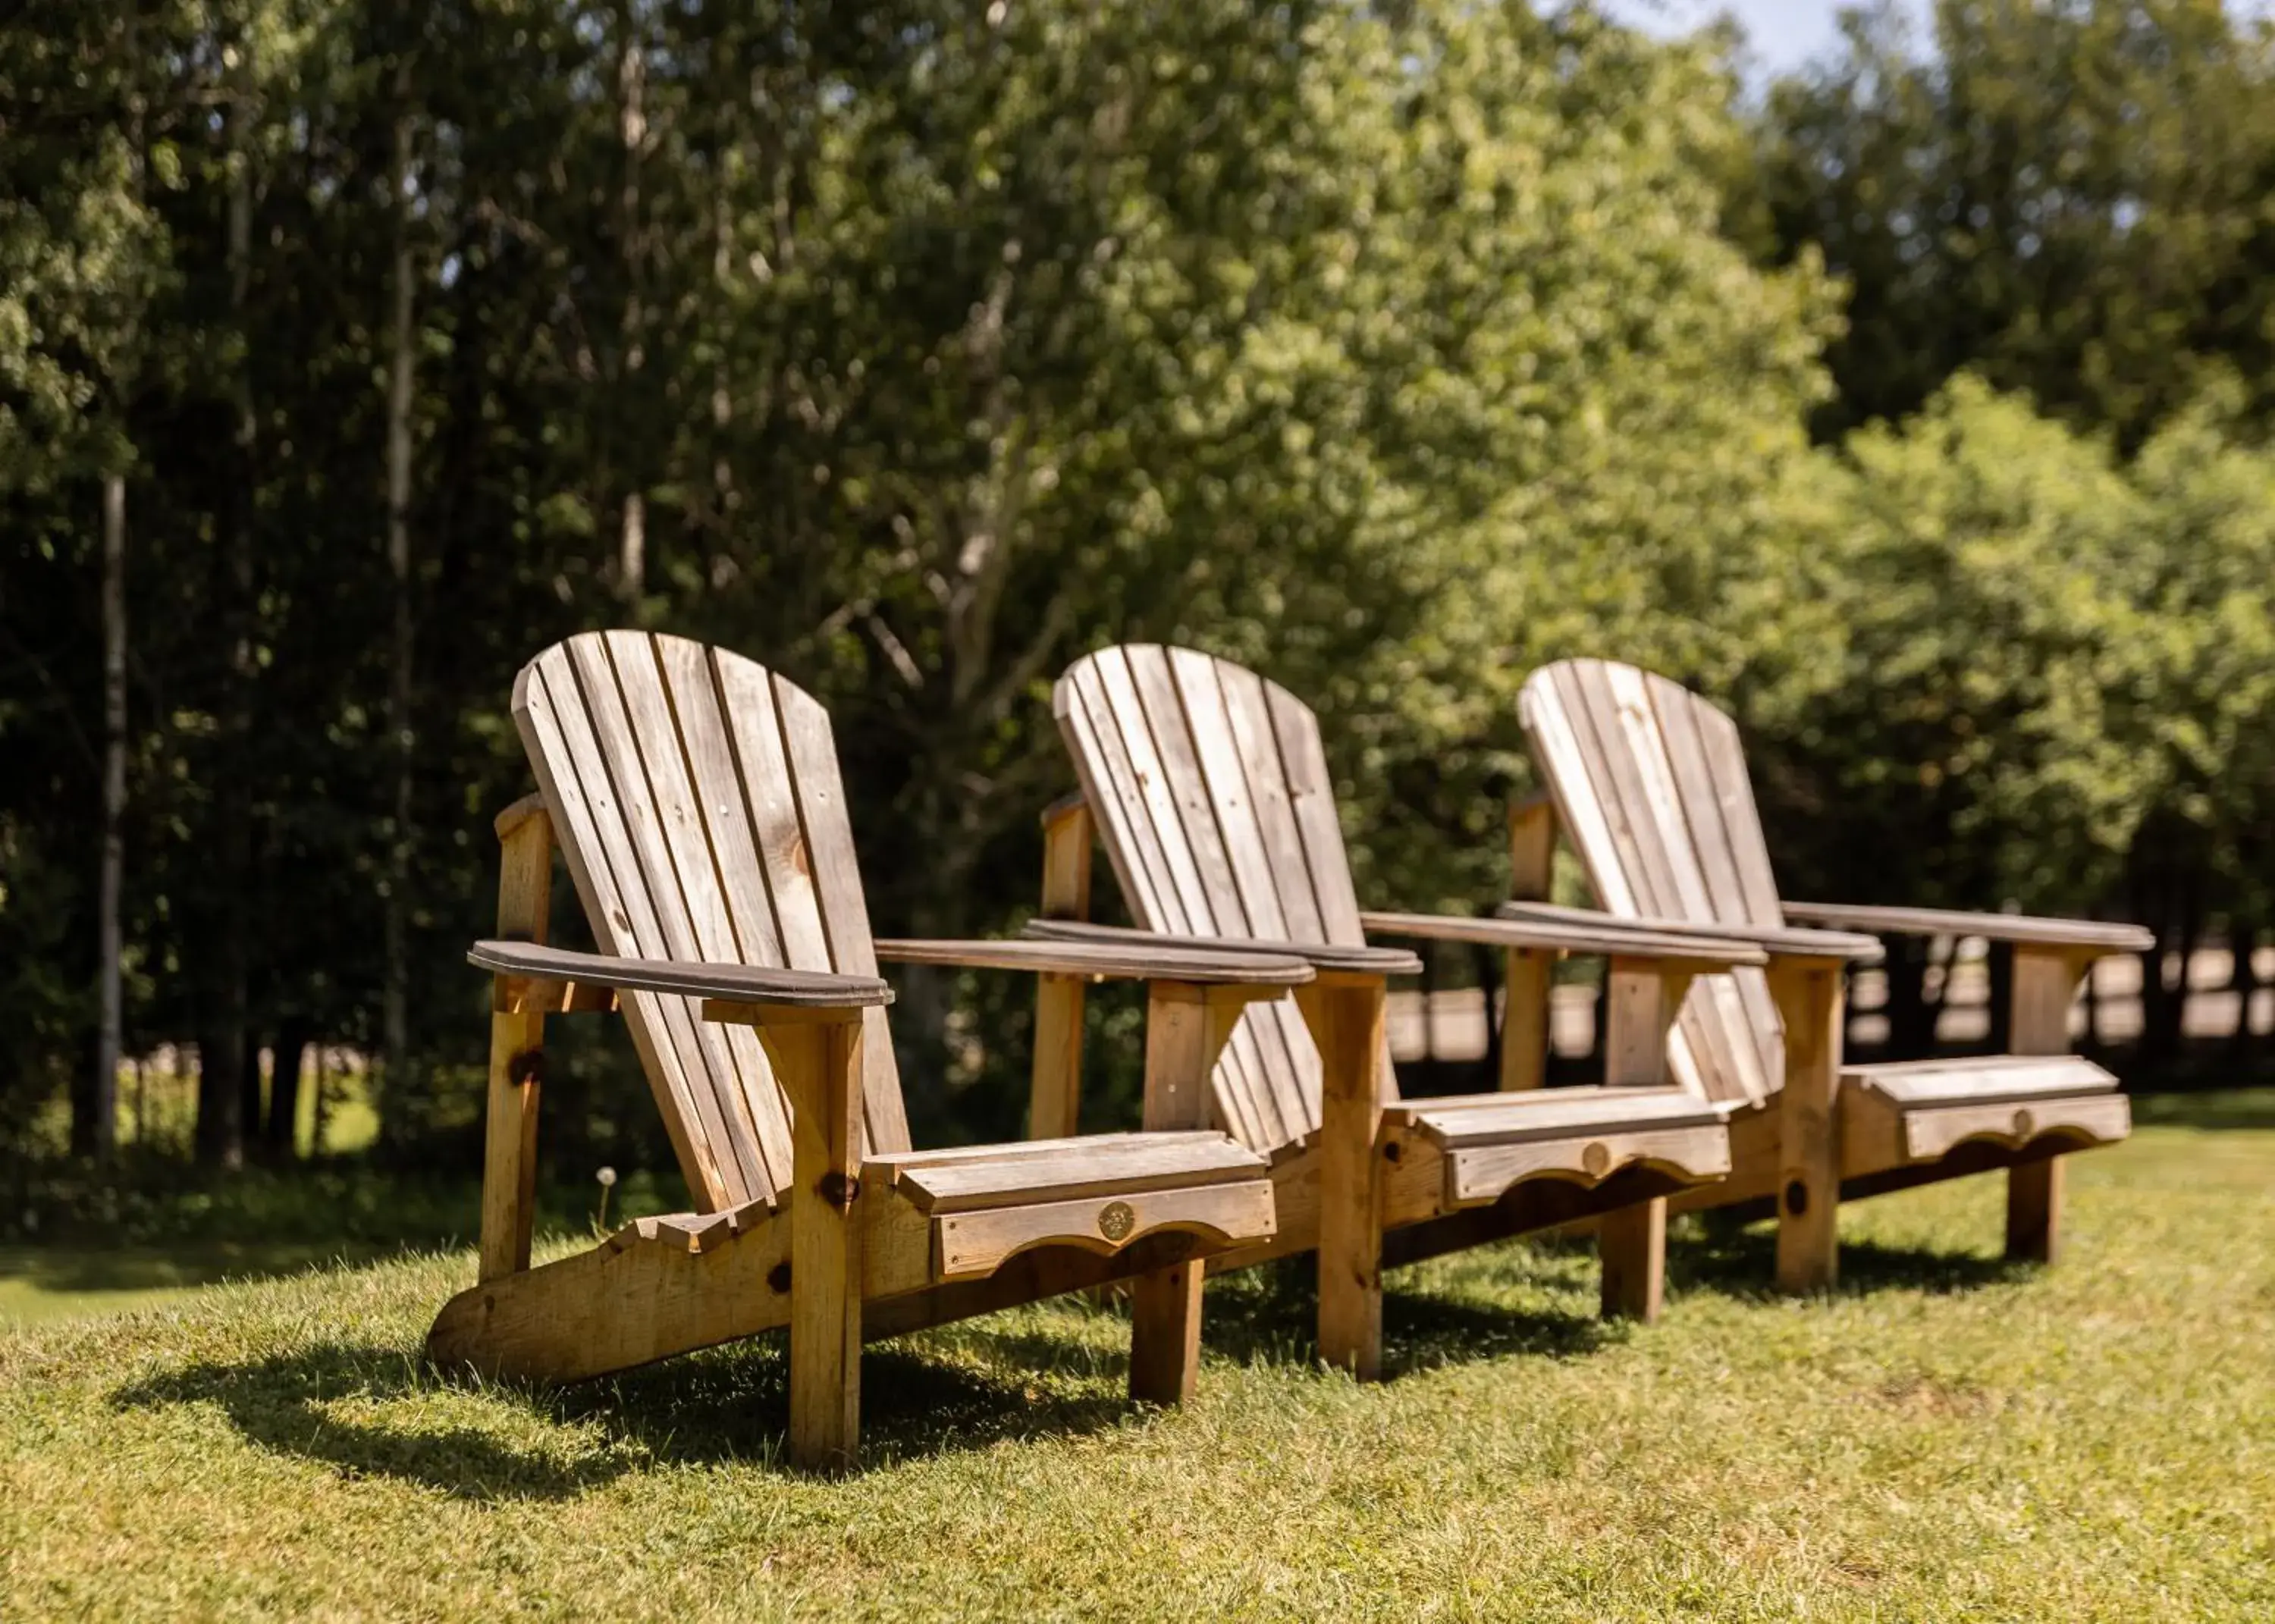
2067 196
915 350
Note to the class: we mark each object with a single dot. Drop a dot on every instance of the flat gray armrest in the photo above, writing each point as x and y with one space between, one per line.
2094 934
1171 960
1319 955
741 984
1572 931
1779 941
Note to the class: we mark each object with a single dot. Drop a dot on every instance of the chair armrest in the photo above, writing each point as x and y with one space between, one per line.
1573 930
1148 958
2094 933
742 984
1776 940
1319 955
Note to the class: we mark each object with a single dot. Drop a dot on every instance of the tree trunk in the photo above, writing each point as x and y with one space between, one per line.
294 1039
2000 966
2242 941
99 1136
221 1063
249 1103
221 1123
2164 1007
1911 1012
632 124
394 1017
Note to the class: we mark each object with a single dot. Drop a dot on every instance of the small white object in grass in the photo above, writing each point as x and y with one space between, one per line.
608 1176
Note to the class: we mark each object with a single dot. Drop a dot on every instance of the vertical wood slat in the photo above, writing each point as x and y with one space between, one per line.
829 834
1090 710
1562 736
750 1105
692 694
795 878
1717 1009
1126 716
1311 798
1258 752
710 1069
1616 797
697 801
557 738
1224 705
1109 783
1219 814
1732 896
1210 837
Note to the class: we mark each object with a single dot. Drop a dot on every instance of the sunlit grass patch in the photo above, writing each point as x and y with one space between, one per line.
1947 1437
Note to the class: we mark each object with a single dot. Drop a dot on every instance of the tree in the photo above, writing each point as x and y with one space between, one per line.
2065 197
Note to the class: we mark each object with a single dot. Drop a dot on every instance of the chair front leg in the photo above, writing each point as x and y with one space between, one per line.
1346 1015
1186 1027
820 1067
516 1068
1809 997
2045 982
1641 998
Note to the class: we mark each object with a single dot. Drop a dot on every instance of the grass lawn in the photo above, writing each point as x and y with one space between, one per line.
1945 1438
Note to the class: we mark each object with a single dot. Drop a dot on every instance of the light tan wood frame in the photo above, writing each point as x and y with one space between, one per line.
1177 747
694 799
1648 784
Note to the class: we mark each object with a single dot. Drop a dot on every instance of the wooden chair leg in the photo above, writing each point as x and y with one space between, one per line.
820 1067
2044 985
1165 1334
509 1142
1347 1021
517 1070
1633 1243
1186 1027
1809 998
2034 1205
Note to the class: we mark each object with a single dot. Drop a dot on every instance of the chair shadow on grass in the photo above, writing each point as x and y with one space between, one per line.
331 1404
1741 1261
1269 1315
380 1411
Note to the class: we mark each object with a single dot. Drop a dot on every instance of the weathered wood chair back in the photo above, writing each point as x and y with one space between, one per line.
1650 783
1212 793
696 798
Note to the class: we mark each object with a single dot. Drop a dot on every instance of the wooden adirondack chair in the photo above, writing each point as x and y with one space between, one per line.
1212 792
696 799
1649 783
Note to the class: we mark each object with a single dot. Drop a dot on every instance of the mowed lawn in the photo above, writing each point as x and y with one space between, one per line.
1945 1438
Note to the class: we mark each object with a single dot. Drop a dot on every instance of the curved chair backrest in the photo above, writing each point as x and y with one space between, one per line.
1210 791
1650 783
696 798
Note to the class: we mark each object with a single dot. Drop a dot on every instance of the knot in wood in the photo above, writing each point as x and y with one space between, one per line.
839 1190
527 1067
1796 1198
2023 1123
1596 1159
778 1277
